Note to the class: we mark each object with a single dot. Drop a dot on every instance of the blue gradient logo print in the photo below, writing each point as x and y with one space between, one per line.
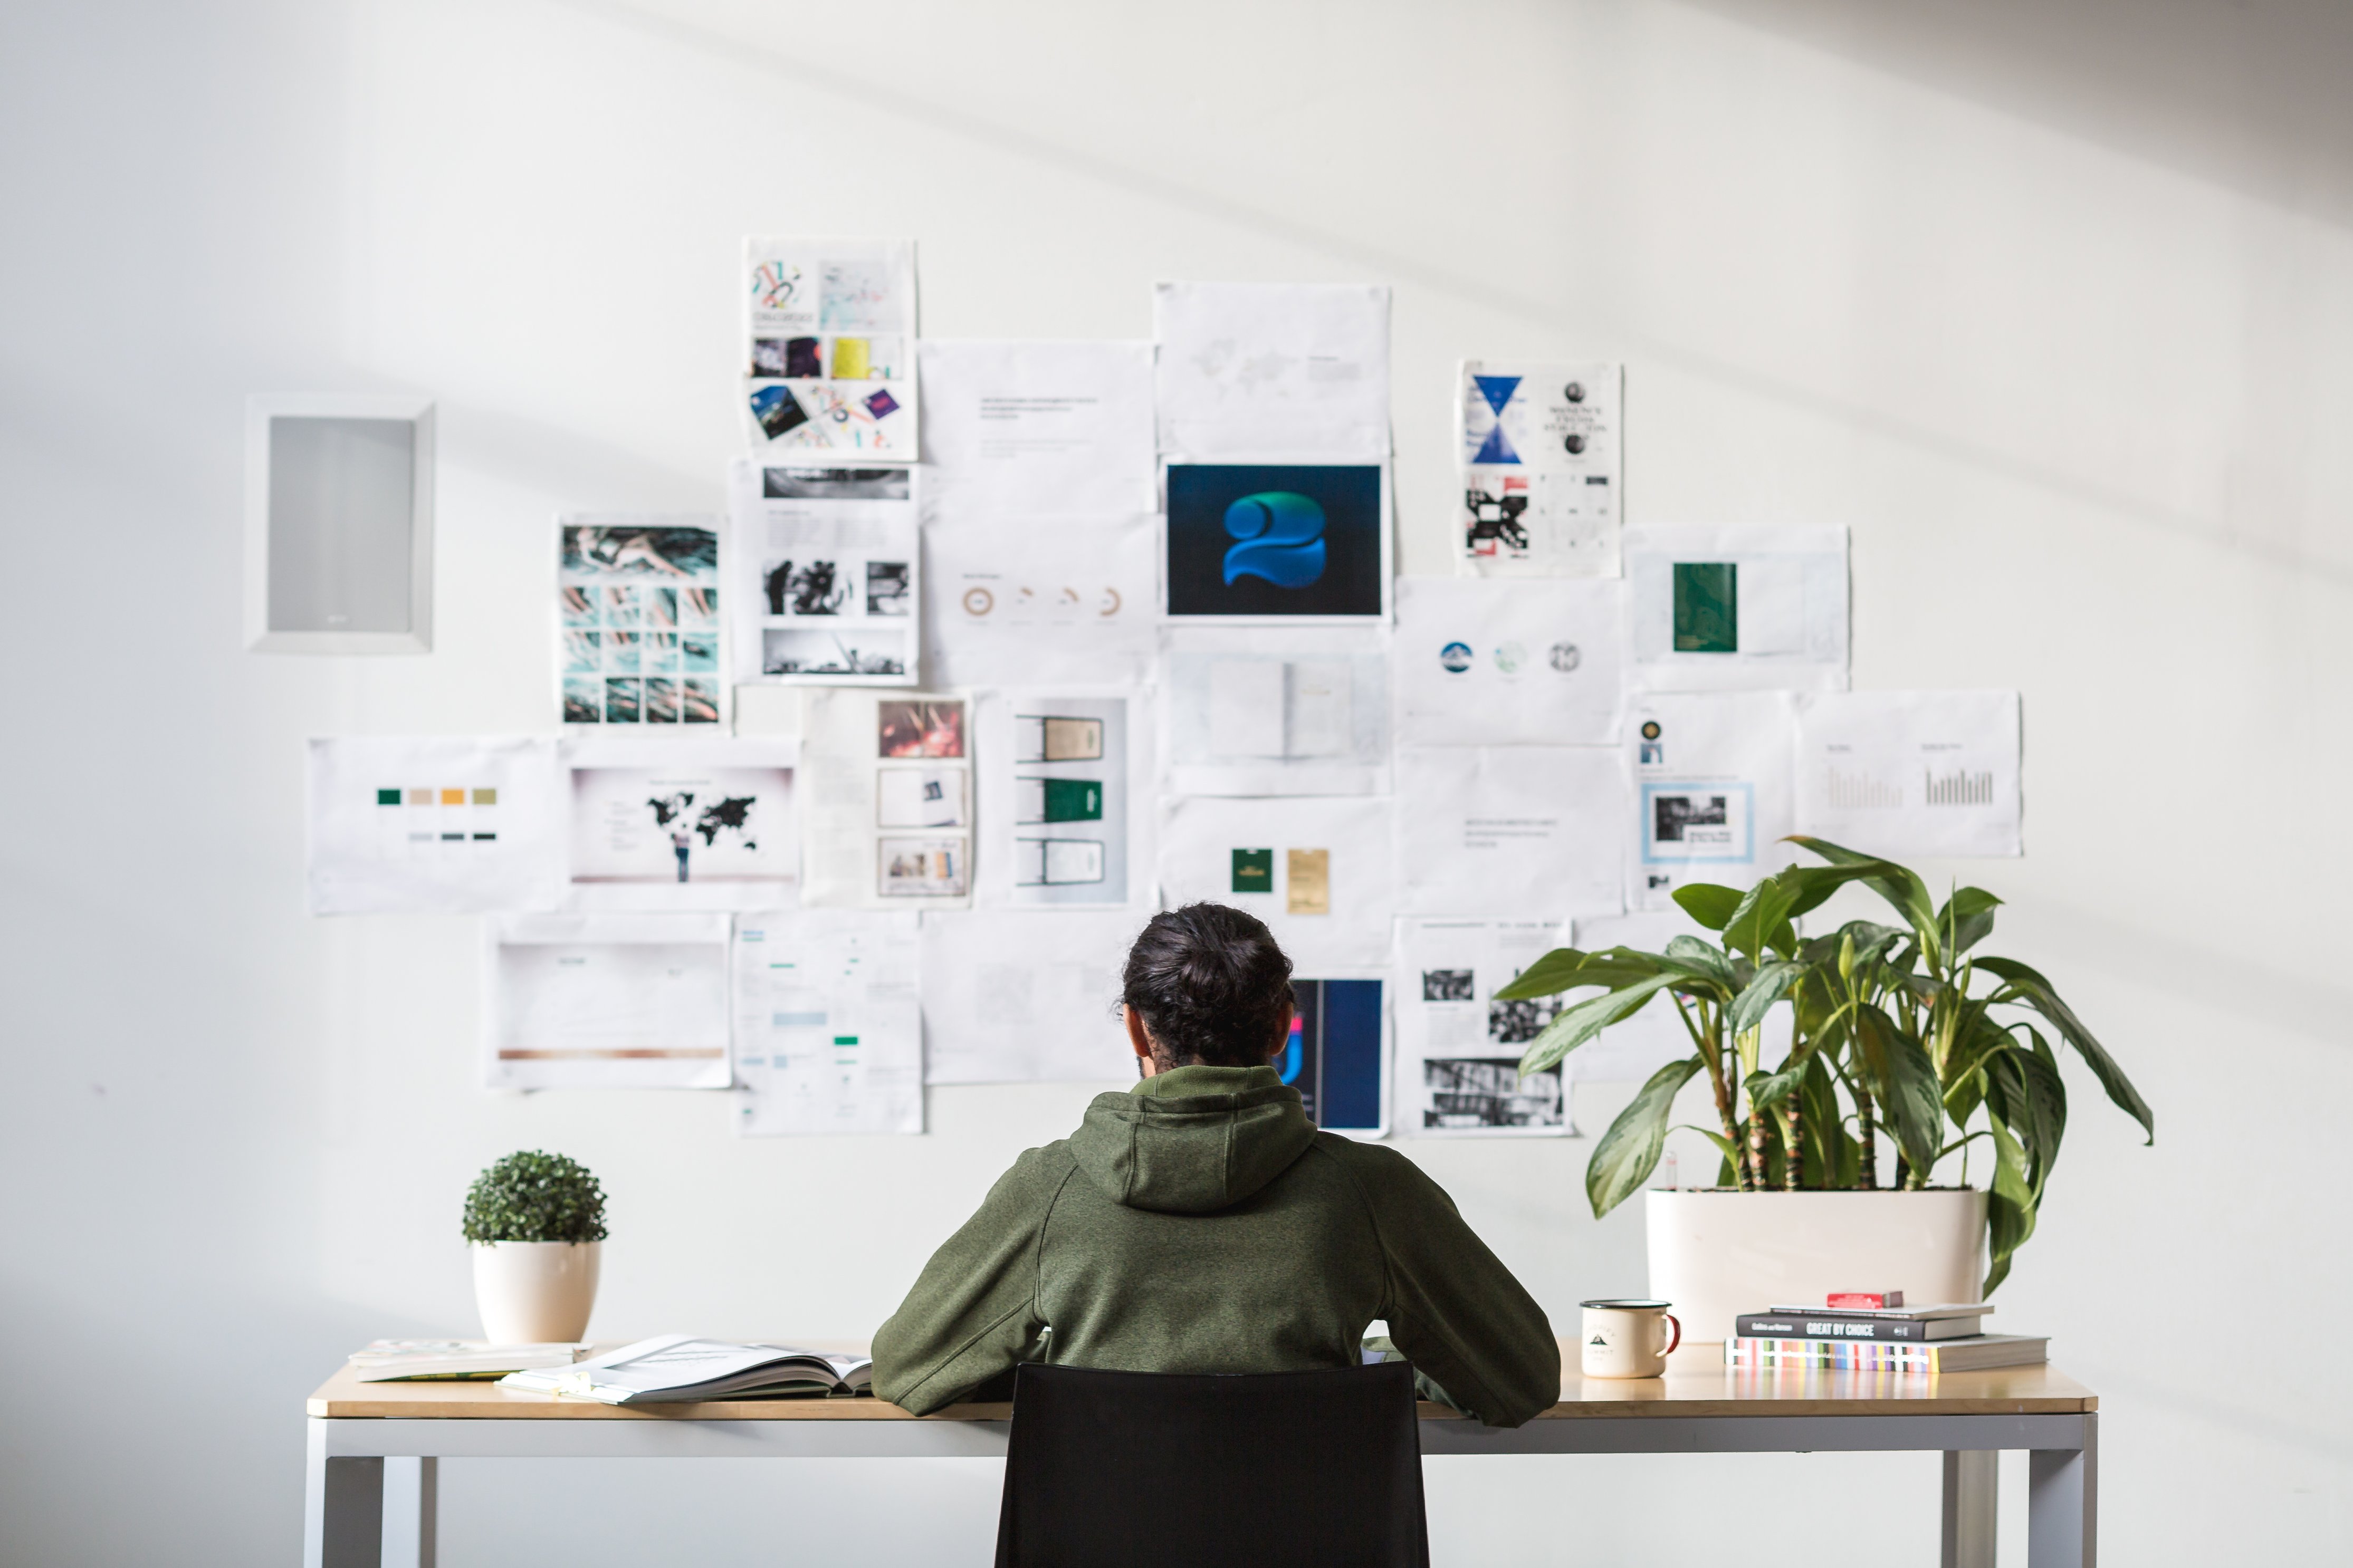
1280 537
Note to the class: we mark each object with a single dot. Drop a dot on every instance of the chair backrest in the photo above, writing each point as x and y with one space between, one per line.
1142 1470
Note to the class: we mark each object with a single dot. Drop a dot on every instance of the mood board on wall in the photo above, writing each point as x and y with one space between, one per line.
1051 635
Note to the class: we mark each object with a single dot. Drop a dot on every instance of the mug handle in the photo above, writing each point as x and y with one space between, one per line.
1677 1324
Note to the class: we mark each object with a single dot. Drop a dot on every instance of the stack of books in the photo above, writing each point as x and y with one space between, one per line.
1874 1331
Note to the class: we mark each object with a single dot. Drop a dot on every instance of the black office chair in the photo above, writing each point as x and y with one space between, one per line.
1143 1469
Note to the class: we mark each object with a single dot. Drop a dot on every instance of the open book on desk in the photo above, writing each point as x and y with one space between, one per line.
676 1368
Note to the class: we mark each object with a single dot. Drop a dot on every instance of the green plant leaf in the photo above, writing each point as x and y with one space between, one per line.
532 1195
1815 884
1710 905
1626 1155
1566 969
1897 885
1760 916
2039 994
1968 917
1702 961
1748 1008
1577 1024
1768 1089
1904 1081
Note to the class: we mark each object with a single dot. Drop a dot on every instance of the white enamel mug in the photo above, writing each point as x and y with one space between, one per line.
1628 1338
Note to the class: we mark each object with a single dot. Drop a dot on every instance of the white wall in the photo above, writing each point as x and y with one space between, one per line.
2060 329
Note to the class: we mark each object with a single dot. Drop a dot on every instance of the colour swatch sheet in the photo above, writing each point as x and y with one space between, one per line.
418 826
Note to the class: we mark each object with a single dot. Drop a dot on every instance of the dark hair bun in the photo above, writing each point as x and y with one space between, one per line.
1211 986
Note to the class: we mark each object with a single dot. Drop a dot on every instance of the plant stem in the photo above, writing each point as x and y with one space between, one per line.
1866 1176
1793 1157
1713 1056
1757 1150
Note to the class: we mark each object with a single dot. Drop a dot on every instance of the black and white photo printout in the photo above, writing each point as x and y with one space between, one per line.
826 574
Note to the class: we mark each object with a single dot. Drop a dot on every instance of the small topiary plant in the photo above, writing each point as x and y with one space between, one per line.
535 1197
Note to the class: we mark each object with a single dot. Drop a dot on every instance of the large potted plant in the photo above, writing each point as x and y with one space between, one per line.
1904 1030
535 1222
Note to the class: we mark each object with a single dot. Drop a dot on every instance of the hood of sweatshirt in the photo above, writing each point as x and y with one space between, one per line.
1193 1140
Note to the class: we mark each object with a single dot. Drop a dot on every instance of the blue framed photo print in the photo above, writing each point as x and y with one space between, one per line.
1277 542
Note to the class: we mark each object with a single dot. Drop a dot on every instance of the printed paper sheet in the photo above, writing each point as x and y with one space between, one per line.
1042 600
1721 610
1322 873
637 600
1528 831
825 568
829 347
1509 663
420 826
604 1001
1026 995
1910 772
890 820
679 823
1712 797
1459 1050
1247 369
1542 469
1055 793
1268 711
1034 429
1276 542
829 1024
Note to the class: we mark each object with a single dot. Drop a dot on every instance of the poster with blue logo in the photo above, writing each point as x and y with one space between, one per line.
1277 542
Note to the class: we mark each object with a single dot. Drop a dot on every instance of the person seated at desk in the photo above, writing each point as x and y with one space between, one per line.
1199 1223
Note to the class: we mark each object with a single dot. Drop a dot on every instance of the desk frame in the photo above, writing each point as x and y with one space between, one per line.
354 1463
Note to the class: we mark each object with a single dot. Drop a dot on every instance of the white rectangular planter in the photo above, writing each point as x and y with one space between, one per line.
1716 1255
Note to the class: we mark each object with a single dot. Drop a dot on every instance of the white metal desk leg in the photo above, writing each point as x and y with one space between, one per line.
2062 1504
1972 1476
411 1500
343 1508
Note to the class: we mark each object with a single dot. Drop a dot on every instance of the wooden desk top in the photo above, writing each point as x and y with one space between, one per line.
1706 1389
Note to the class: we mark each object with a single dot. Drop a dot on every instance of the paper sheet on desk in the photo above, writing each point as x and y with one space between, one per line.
1266 711
828 1023
1458 1047
1725 609
1034 429
1026 995
424 825
1320 872
1247 369
1712 791
824 574
1541 470
1033 600
1910 772
1509 663
1526 831
829 350
604 1001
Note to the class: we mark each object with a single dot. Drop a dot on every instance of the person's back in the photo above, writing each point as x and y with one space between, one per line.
1199 1223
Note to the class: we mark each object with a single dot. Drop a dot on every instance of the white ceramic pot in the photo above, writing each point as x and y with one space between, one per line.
535 1293
1716 1255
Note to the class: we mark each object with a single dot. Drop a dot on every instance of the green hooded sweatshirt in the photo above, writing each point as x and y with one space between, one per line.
1200 1223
